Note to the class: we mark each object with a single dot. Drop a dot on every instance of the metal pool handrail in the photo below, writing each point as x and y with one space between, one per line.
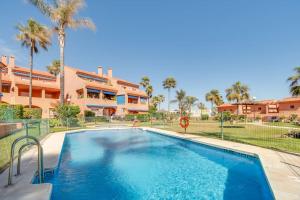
20 155
40 158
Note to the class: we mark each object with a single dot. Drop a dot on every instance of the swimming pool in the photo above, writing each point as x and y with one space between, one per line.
136 164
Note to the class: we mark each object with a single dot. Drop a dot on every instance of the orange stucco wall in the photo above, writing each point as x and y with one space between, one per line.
267 111
46 91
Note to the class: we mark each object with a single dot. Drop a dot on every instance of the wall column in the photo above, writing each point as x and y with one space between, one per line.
43 93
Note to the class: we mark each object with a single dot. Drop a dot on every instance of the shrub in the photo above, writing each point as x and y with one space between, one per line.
89 113
54 122
282 118
293 117
226 116
140 117
204 117
66 111
257 118
11 111
32 113
101 119
18 111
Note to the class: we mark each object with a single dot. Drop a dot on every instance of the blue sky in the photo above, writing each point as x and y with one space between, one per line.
203 44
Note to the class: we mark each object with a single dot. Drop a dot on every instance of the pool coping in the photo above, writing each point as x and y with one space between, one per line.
282 181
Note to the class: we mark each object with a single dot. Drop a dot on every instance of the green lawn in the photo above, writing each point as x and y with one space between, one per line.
268 137
6 142
283 124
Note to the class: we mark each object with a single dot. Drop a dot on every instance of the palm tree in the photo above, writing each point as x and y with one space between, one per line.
180 99
190 101
31 36
201 106
294 82
62 13
54 67
237 92
214 97
161 100
145 83
155 101
169 83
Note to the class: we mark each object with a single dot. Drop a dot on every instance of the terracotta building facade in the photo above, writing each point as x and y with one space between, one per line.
101 93
267 110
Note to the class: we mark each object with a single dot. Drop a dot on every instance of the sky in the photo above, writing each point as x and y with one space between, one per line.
203 44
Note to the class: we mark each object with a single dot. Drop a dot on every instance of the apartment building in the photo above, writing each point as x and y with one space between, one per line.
99 92
265 109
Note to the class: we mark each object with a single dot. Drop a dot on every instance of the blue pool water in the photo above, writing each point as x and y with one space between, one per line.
135 164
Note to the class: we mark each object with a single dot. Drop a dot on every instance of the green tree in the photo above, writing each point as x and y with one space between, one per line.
169 83
180 99
32 36
161 100
157 100
201 106
294 82
214 97
189 102
54 68
62 13
237 92
145 83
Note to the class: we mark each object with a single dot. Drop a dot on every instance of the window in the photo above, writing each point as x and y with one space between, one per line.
93 95
133 99
79 94
143 100
5 88
107 95
292 106
259 108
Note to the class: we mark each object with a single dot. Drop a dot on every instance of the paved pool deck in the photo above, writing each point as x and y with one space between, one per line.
282 169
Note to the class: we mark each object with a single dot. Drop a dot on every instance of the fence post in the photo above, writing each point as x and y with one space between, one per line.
48 125
222 132
26 127
39 124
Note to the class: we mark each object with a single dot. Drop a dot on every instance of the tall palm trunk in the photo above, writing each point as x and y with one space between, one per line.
237 108
212 107
61 38
30 76
169 91
0 81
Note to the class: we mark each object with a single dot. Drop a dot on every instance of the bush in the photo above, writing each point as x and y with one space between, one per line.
140 117
11 112
32 113
204 117
89 113
18 111
293 117
227 116
54 123
64 112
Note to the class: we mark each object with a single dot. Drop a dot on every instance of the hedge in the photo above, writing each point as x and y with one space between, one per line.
8 112
32 113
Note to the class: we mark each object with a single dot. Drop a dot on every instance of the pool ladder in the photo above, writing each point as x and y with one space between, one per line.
40 162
